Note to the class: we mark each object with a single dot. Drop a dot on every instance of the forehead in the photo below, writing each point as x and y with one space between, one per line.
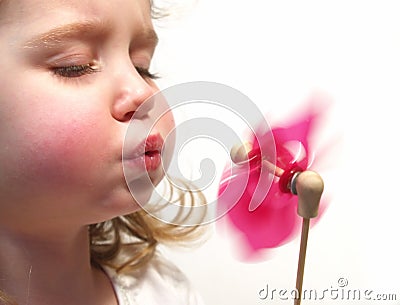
39 12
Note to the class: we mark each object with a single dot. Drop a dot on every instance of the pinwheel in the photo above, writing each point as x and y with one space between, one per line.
270 188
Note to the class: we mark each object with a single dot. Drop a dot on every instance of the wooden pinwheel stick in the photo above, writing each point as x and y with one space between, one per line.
308 186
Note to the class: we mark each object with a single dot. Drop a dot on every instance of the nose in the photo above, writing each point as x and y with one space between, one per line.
132 95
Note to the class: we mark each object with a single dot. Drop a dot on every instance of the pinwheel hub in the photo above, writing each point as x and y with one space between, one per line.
287 181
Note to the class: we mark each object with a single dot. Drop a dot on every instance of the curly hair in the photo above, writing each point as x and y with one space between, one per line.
135 236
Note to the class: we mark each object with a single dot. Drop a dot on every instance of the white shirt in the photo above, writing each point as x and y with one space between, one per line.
158 283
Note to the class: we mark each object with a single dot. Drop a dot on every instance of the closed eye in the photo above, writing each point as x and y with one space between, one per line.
73 71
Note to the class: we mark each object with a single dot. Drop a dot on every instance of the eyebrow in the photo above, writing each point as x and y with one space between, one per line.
76 30
80 30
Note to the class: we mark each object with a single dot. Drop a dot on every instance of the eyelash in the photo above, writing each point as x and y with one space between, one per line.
145 73
75 71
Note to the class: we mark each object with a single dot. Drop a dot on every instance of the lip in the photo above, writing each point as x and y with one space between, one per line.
146 155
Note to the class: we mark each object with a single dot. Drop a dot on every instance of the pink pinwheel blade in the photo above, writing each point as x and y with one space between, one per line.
268 226
274 221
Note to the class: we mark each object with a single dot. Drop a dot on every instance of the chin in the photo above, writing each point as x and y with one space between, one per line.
116 203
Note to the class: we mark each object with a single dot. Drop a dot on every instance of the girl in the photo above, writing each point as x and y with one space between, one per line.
73 74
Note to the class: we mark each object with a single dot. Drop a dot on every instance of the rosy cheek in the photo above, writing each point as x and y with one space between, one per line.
62 152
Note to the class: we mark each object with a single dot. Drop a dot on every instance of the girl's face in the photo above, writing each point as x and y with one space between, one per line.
72 74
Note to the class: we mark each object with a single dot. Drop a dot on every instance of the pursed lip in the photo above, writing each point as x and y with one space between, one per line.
146 155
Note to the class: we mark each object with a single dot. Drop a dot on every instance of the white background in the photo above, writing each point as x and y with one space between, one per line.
279 53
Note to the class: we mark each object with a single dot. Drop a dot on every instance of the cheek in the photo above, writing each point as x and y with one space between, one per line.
72 150
59 150
52 135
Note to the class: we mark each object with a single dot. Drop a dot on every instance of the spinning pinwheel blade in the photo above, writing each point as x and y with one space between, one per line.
273 188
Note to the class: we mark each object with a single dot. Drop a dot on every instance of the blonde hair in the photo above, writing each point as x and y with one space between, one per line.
135 236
